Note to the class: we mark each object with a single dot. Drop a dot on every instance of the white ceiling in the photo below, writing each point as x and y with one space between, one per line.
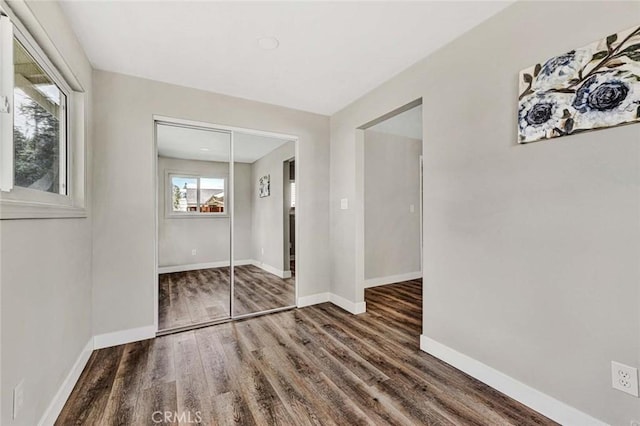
204 145
408 123
330 53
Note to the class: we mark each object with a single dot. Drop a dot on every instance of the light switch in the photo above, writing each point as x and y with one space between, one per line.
344 204
412 208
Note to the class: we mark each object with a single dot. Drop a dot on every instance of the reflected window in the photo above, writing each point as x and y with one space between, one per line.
195 195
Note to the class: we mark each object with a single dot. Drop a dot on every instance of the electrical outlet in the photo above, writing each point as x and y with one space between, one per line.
624 378
18 398
193 252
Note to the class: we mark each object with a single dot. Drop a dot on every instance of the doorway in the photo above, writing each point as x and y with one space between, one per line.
219 219
390 188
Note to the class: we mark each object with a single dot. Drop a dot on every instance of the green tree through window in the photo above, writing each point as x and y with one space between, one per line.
37 146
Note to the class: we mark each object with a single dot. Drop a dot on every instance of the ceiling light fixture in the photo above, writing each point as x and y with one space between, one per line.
204 149
268 43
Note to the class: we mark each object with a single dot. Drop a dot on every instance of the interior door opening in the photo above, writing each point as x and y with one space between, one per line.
392 205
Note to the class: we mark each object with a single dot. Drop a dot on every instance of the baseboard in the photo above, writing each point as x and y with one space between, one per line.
124 336
374 282
544 404
211 265
314 299
270 269
198 266
55 407
349 306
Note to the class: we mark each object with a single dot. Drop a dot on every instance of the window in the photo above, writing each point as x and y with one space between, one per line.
39 126
41 154
196 195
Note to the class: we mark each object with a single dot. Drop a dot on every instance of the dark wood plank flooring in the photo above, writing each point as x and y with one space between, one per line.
257 290
194 297
311 366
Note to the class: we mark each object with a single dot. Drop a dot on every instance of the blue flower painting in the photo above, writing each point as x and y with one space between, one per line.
593 87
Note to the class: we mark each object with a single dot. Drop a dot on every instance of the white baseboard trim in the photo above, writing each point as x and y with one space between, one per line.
123 336
314 299
57 403
544 404
211 265
198 266
349 306
374 282
270 269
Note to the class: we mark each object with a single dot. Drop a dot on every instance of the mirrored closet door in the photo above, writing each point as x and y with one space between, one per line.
194 226
223 191
264 214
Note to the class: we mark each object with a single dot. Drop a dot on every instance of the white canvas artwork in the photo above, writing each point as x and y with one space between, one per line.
593 87
264 186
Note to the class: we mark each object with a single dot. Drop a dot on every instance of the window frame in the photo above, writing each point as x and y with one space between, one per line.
168 193
25 203
20 191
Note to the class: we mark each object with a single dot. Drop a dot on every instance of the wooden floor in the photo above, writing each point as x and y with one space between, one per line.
194 297
310 366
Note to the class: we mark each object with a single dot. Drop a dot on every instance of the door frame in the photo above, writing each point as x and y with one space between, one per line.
161 119
360 199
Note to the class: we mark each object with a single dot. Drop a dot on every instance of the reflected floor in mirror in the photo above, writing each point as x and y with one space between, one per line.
194 297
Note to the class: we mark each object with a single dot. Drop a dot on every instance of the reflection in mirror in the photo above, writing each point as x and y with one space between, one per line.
194 240
264 217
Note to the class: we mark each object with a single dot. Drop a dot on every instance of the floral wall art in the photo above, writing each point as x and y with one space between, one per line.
593 87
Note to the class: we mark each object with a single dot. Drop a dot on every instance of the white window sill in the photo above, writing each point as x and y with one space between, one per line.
10 209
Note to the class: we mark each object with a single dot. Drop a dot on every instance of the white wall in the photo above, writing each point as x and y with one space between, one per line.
210 236
123 247
45 276
531 251
267 215
391 187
